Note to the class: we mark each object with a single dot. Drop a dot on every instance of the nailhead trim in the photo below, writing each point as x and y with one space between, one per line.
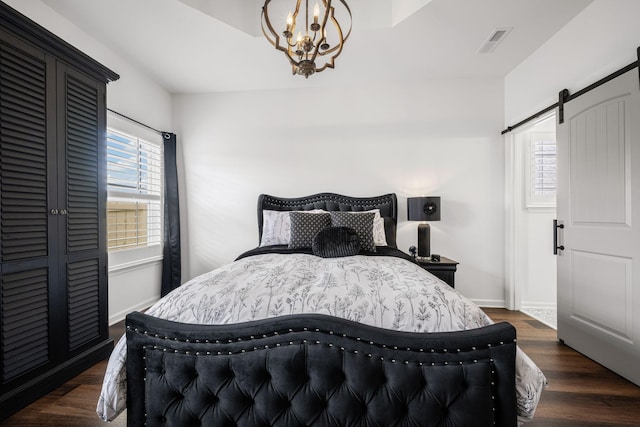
304 329
360 202
305 342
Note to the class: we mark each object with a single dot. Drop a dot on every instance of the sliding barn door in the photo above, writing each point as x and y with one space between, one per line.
599 205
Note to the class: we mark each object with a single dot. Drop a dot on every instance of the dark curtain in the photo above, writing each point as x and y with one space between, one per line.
171 260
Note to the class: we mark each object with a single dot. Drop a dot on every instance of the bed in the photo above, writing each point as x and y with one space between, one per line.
323 328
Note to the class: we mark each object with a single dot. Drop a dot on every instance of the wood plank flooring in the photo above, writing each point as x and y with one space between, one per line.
73 404
581 393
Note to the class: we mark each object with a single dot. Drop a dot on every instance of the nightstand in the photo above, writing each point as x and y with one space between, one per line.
445 269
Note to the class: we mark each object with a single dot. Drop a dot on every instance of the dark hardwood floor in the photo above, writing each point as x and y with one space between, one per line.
73 404
581 393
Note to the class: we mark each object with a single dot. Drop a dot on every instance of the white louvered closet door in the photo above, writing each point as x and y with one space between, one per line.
599 205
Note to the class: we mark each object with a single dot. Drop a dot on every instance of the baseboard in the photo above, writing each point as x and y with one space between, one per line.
120 316
489 303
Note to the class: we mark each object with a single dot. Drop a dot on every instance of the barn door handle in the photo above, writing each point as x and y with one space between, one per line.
555 237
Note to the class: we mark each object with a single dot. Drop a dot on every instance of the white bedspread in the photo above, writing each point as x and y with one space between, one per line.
381 291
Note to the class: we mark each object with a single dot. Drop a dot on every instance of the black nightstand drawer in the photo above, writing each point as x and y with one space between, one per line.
445 269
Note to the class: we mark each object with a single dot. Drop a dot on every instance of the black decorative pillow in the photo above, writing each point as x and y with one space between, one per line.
305 225
335 242
362 223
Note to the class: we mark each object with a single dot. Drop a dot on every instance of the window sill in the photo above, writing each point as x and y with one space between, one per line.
134 258
139 263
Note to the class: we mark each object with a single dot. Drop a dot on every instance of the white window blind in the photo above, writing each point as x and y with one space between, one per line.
134 184
543 170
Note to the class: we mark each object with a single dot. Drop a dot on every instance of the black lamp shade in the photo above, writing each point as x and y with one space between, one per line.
423 208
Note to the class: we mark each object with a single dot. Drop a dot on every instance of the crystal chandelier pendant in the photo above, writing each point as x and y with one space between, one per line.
311 39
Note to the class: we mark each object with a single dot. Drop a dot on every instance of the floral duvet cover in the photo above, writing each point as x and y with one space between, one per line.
384 291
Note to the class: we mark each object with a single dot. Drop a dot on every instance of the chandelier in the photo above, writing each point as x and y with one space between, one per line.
311 42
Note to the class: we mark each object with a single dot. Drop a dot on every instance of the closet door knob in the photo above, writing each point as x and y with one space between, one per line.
63 211
54 211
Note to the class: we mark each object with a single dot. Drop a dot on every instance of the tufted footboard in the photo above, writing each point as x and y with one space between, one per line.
317 370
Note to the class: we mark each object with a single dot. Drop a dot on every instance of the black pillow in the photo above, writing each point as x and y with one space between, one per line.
361 222
335 242
305 225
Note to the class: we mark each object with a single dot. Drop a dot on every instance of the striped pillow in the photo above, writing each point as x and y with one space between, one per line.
336 242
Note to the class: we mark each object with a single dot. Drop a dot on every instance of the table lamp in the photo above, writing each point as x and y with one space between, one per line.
423 209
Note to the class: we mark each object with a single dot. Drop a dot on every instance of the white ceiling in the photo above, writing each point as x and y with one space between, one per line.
193 46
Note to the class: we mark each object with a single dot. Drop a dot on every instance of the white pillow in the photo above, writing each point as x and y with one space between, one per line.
379 236
276 227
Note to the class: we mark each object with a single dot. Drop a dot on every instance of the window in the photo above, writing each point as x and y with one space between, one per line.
134 183
542 170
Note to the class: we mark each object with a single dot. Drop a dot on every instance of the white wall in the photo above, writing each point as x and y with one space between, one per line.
136 96
429 138
600 40
536 269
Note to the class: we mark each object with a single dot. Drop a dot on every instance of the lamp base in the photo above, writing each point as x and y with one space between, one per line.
424 240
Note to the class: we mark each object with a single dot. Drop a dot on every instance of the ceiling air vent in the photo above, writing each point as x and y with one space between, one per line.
494 39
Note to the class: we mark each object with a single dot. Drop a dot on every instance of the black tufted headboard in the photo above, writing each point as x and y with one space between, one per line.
387 203
317 370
